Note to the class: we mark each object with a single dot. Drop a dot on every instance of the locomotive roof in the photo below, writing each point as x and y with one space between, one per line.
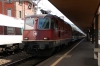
40 15
46 15
37 15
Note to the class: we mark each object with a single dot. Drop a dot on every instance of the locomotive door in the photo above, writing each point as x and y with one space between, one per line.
56 32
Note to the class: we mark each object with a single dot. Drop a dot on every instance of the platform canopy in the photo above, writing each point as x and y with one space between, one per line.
80 12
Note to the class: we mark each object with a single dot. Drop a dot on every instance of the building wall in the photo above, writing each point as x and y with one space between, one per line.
18 8
25 11
9 6
15 7
0 7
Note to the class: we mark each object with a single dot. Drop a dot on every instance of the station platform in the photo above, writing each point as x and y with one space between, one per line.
81 54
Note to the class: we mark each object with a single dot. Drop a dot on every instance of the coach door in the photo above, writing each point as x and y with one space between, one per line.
54 26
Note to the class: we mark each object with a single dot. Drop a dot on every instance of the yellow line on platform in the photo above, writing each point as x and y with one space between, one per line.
55 63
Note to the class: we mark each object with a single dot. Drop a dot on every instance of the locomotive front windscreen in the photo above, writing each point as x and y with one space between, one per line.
29 23
44 23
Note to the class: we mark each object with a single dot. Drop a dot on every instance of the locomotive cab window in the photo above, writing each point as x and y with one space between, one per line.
29 23
44 23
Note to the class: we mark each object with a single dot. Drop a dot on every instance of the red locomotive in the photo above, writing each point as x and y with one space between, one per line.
45 33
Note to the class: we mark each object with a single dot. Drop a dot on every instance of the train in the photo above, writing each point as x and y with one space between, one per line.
11 30
44 34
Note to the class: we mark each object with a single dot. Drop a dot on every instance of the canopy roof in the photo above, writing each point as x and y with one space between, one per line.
80 12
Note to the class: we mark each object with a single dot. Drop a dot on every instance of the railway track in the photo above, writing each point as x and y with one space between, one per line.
5 54
28 62
16 63
21 59
13 58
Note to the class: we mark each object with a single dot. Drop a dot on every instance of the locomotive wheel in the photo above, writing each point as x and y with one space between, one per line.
40 53
46 52
35 51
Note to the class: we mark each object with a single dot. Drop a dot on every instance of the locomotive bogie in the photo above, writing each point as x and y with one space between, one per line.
32 47
40 44
38 48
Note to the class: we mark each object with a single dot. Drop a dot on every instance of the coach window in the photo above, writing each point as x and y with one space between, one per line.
10 30
1 30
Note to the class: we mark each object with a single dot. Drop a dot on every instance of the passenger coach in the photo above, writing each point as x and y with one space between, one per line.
10 33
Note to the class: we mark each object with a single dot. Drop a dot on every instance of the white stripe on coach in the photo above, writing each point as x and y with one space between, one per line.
10 39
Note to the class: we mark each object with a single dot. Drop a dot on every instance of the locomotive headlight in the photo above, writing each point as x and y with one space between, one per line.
45 38
25 38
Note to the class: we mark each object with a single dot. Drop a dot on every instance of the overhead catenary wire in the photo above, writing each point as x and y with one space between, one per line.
39 7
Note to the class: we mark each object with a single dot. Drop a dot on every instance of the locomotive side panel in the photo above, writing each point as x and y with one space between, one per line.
64 30
69 31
